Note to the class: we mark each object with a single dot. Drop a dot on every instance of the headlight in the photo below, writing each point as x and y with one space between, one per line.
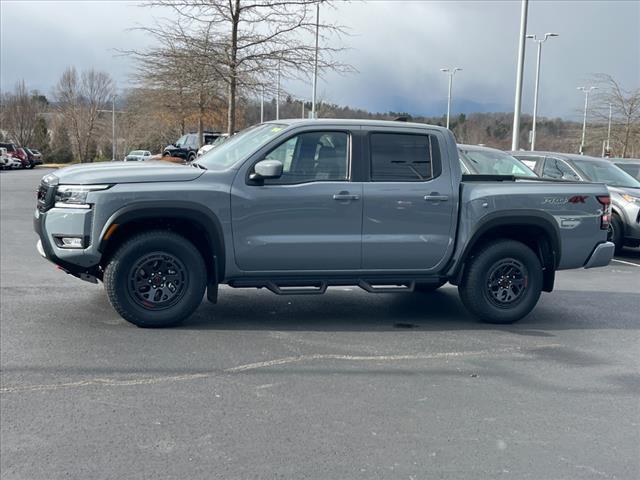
75 196
630 198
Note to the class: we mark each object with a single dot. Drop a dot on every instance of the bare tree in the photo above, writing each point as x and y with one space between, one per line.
241 44
20 110
80 97
625 109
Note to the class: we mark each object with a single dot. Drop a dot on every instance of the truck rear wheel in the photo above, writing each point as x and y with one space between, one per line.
156 279
502 282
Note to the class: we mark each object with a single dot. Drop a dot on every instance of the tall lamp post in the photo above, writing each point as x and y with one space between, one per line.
450 72
315 63
278 94
587 91
535 92
608 152
515 137
113 128
262 106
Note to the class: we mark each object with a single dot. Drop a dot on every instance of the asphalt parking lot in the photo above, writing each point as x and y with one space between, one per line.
345 385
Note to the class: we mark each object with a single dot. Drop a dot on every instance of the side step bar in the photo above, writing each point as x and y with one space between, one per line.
318 287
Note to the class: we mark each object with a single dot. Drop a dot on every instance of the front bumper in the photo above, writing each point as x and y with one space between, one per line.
72 223
601 256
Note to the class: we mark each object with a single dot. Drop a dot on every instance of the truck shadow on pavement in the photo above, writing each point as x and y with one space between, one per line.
340 310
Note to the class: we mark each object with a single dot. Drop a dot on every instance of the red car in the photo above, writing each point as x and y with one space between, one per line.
23 157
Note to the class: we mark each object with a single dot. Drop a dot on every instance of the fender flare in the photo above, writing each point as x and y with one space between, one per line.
513 218
191 211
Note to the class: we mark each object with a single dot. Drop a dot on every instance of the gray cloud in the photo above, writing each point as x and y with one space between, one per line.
398 48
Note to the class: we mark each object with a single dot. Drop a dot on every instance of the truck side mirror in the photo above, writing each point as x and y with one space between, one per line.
266 169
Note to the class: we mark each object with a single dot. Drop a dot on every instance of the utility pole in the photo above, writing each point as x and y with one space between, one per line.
262 106
113 128
450 72
515 139
535 92
608 152
278 94
315 63
587 91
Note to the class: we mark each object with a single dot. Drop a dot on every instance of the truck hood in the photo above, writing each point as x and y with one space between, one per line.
127 172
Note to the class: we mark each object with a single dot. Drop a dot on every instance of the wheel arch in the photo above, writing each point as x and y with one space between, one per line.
193 221
534 229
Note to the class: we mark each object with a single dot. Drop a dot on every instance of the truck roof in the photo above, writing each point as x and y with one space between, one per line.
353 121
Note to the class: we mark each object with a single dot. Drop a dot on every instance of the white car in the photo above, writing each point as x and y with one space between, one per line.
138 156
7 161
205 148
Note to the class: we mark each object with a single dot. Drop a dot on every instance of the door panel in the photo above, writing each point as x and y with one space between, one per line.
407 224
310 219
297 227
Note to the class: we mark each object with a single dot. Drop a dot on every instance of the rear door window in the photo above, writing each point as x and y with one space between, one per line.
403 157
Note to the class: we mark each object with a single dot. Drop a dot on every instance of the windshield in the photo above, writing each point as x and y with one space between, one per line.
605 172
136 152
239 146
494 162
181 141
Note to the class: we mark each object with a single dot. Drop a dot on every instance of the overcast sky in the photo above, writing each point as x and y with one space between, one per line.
397 47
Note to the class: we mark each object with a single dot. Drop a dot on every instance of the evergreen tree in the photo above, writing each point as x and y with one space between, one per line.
40 139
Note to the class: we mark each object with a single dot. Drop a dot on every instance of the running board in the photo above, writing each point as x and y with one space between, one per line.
318 287
387 288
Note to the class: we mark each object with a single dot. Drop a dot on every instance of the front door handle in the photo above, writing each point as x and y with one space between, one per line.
345 196
434 197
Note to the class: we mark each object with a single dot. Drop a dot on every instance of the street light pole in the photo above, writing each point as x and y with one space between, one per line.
587 91
113 128
609 130
262 106
515 138
537 85
315 63
278 94
450 72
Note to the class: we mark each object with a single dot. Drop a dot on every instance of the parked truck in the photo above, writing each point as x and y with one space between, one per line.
296 206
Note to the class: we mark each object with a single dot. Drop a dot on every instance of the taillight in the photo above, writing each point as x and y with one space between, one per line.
605 217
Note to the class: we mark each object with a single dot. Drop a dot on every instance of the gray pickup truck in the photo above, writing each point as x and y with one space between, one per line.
296 206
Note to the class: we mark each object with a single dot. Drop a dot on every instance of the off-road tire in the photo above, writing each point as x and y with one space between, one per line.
475 290
119 279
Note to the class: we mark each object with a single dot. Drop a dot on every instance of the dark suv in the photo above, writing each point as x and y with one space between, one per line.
187 145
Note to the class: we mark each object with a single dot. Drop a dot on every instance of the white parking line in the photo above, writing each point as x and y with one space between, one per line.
626 263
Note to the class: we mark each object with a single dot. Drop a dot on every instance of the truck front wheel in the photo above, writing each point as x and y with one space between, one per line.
155 279
502 282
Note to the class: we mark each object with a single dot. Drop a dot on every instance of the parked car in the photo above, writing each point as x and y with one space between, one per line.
187 146
138 156
490 161
629 165
625 190
7 161
36 155
218 141
21 154
31 158
296 206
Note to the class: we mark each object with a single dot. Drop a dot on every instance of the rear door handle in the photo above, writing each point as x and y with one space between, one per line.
345 196
434 197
